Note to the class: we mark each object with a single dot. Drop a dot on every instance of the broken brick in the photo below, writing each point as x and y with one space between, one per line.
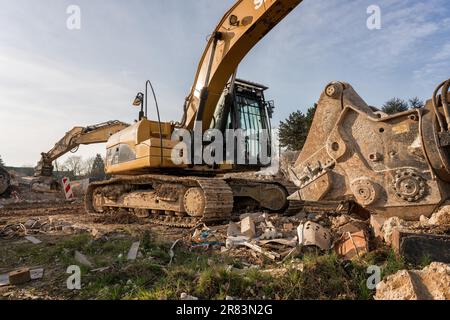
248 227
19 277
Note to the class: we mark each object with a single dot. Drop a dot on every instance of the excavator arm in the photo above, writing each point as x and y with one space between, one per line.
98 133
241 28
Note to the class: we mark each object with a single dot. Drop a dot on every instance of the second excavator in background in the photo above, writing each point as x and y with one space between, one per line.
94 134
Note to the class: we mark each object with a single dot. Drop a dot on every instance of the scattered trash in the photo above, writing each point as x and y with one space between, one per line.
132 254
313 234
36 274
82 259
205 238
270 255
33 240
431 283
186 297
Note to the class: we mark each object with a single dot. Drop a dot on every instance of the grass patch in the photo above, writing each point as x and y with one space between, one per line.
201 274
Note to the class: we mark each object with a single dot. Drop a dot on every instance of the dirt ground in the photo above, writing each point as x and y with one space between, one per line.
168 263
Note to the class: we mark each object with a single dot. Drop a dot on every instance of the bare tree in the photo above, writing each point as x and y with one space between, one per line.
74 164
87 166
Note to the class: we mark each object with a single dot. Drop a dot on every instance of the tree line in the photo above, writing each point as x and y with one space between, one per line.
295 129
77 167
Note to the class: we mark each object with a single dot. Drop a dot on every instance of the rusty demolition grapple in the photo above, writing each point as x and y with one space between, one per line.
392 165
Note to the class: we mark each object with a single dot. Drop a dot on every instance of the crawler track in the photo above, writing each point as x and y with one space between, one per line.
214 203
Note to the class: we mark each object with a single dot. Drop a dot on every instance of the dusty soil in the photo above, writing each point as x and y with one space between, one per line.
52 285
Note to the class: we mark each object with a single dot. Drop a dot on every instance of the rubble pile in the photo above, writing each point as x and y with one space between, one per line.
278 237
431 283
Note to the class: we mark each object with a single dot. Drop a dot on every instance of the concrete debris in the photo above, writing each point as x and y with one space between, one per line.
442 217
377 222
82 259
233 230
352 245
270 255
233 242
184 296
248 227
389 226
32 224
256 217
33 240
132 253
340 221
313 234
431 283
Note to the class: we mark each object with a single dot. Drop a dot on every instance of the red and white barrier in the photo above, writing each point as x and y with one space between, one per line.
68 189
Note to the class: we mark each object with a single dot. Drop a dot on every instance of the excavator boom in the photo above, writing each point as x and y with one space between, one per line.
241 28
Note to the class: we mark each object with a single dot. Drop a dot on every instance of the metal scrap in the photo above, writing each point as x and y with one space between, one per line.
313 234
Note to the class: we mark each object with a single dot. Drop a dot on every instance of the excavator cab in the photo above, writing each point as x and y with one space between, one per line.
243 110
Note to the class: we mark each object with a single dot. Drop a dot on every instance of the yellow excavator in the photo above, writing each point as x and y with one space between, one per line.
386 164
143 158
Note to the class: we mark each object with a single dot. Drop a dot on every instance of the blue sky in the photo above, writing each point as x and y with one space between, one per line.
52 78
